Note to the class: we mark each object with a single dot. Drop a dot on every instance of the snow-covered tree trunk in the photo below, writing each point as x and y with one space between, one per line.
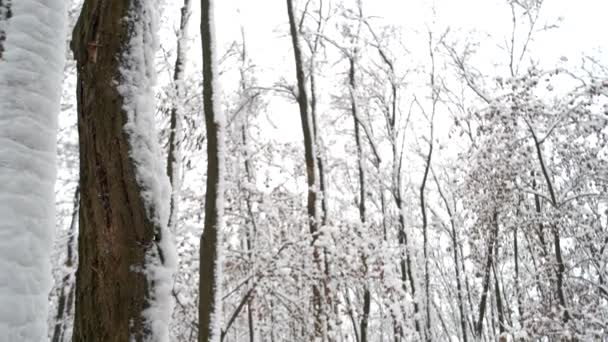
126 257
31 65
210 307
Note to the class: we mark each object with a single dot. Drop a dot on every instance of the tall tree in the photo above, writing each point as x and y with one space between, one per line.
124 278
176 113
32 55
210 308
65 290
314 216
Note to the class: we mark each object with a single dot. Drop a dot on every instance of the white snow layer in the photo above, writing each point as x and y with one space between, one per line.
31 73
136 87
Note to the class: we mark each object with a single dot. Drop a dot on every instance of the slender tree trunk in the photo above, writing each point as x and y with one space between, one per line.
351 314
427 292
323 210
176 116
454 238
66 289
407 272
123 238
309 154
560 268
499 304
323 194
250 177
210 307
362 191
319 158
487 273
518 294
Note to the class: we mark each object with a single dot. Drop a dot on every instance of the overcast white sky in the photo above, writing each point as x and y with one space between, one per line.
582 29
584 24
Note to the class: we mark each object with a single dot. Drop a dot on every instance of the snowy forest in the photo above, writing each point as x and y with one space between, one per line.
303 170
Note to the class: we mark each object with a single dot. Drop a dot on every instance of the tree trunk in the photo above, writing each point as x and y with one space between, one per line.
176 116
498 298
123 242
560 268
454 240
425 234
210 307
32 56
405 264
66 288
250 177
518 294
309 154
362 190
487 272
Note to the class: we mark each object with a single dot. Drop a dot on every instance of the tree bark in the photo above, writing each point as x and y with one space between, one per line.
121 233
176 115
66 288
499 304
454 239
309 157
250 177
390 109
487 273
425 234
560 268
362 191
210 253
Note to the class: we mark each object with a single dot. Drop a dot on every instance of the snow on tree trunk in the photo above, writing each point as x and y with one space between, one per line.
210 294
31 66
126 255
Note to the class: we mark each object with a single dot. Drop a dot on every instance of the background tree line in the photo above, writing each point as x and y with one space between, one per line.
432 195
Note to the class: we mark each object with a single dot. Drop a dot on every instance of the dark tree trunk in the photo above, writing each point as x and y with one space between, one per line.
499 304
362 190
560 268
309 156
518 294
486 277
405 263
117 232
66 288
251 231
454 238
175 120
425 234
210 270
